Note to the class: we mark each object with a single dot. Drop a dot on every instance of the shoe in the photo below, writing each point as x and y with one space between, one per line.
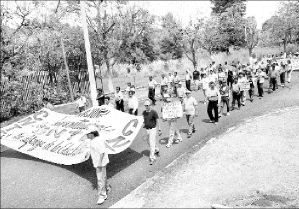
189 135
157 152
220 116
101 199
194 130
228 114
152 160
216 123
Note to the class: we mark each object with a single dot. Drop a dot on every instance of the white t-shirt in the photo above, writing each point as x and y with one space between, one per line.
205 83
188 76
164 81
189 105
152 84
97 149
261 76
81 101
119 96
133 102
213 95
242 82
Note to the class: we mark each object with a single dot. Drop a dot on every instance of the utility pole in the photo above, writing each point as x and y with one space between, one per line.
67 70
93 88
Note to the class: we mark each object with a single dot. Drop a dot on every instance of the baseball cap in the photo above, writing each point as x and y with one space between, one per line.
147 102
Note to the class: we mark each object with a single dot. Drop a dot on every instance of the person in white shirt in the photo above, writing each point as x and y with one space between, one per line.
289 71
214 98
100 160
107 101
205 85
119 100
242 80
152 89
47 104
163 84
81 102
260 81
181 91
190 108
188 79
132 103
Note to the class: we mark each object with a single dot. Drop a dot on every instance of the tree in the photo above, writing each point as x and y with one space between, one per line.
230 15
283 27
251 34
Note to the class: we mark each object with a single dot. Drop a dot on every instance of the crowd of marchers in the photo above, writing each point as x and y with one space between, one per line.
222 85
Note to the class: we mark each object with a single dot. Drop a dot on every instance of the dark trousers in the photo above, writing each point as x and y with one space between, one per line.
273 83
188 84
236 97
260 88
282 78
120 105
251 91
133 113
212 106
230 81
151 95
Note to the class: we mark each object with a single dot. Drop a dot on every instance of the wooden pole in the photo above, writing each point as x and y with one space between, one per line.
92 81
67 70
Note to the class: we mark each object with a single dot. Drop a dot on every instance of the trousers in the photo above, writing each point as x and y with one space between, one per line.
212 106
151 140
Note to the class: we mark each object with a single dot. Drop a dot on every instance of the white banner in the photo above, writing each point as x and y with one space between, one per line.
172 110
61 138
295 64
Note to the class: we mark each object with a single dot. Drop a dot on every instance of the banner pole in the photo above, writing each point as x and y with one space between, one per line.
92 82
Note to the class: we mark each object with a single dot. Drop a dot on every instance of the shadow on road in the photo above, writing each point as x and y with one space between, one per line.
206 120
118 162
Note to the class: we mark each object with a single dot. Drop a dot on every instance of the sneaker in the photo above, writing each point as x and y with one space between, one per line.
157 152
152 160
168 145
101 199
216 123
228 114
211 121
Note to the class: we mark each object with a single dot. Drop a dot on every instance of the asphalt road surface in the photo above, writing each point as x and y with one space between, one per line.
28 182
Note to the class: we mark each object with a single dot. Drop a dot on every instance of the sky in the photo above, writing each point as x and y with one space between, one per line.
186 10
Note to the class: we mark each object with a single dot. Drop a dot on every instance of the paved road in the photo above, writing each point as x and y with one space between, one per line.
30 182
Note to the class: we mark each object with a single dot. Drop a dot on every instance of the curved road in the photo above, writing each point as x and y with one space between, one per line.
28 182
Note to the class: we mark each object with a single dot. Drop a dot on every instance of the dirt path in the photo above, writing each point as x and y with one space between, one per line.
29 182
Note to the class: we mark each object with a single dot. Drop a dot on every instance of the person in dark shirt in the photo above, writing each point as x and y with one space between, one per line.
251 89
196 75
100 97
151 121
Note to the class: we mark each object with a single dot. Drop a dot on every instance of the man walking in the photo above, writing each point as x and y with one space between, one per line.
151 122
214 98
190 107
188 80
151 89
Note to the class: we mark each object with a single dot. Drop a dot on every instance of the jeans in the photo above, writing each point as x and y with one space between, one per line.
260 88
151 140
120 105
273 83
224 100
188 85
236 97
190 121
282 78
213 106
102 181
173 130
151 95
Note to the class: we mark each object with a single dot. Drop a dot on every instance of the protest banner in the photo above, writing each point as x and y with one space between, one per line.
295 64
61 138
172 110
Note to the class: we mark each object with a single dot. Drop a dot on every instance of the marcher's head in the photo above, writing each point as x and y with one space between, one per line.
107 100
224 83
147 105
131 93
129 84
151 78
117 89
180 84
225 62
163 75
175 73
45 100
236 80
93 134
188 93
212 84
